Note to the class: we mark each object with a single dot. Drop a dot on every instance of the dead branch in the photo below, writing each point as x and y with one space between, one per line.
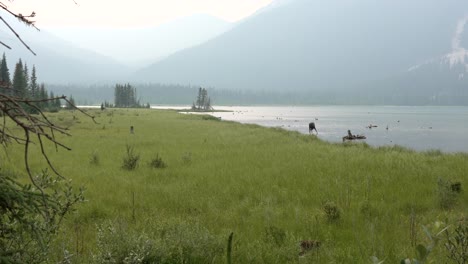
3 44
24 19
14 108
17 35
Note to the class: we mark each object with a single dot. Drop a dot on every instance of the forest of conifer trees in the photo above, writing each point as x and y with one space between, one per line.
126 96
26 85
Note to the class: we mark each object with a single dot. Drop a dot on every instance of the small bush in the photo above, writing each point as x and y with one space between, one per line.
210 117
332 212
367 209
130 160
447 193
94 159
175 242
457 243
275 235
53 109
117 244
157 163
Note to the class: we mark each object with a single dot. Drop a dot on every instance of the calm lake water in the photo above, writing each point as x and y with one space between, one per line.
418 127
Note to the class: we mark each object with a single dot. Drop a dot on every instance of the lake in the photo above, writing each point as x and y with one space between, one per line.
420 128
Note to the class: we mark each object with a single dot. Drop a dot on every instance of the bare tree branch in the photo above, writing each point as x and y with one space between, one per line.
14 108
8 47
24 19
16 34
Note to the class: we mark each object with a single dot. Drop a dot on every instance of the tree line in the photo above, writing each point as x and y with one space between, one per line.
125 96
203 102
25 85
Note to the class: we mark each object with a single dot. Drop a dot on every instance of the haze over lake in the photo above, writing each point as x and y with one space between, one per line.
417 127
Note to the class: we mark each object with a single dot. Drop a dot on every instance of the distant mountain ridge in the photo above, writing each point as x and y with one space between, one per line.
59 61
138 47
348 51
65 60
309 45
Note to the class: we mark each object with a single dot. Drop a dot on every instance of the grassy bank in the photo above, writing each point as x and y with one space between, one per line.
272 188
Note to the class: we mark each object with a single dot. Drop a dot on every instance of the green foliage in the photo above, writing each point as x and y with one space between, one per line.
94 159
447 194
126 96
203 102
174 242
423 251
130 160
30 218
4 74
210 117
332 212
246 178
33 85
157 163
71 103
19 80
275 235
457 243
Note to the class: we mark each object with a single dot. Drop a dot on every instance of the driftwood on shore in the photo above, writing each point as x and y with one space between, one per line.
353 137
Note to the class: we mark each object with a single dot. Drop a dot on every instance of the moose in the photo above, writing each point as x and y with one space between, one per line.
312 127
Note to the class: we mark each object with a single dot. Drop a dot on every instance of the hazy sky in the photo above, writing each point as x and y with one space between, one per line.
130 13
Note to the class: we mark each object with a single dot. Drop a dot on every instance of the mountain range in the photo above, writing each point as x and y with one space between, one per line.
307 45
104 55
139 47
391 51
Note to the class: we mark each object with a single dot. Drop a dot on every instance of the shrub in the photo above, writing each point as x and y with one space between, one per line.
116 244
457 243
157 163
275 235
94 159
29 220
210 117
367 209
174 242
130 160
447 193
332 212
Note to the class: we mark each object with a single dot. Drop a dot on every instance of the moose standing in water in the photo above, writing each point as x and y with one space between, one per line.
312 127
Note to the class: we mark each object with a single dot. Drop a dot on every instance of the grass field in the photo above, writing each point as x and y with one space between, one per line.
272 188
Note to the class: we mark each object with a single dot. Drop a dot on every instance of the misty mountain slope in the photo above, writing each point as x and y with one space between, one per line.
137 47
439 80
307 44
58 61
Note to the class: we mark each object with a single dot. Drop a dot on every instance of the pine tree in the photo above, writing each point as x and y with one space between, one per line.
57 103
33 86
199 102
4 73
71 102
203 100
31 211
19 80
125 96
51 102
27 92
42 96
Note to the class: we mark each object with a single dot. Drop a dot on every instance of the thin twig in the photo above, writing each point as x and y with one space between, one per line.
16 34
8 47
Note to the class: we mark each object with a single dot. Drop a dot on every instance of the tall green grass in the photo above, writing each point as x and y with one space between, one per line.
260 183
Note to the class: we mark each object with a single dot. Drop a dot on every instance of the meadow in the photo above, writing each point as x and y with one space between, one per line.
198 179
